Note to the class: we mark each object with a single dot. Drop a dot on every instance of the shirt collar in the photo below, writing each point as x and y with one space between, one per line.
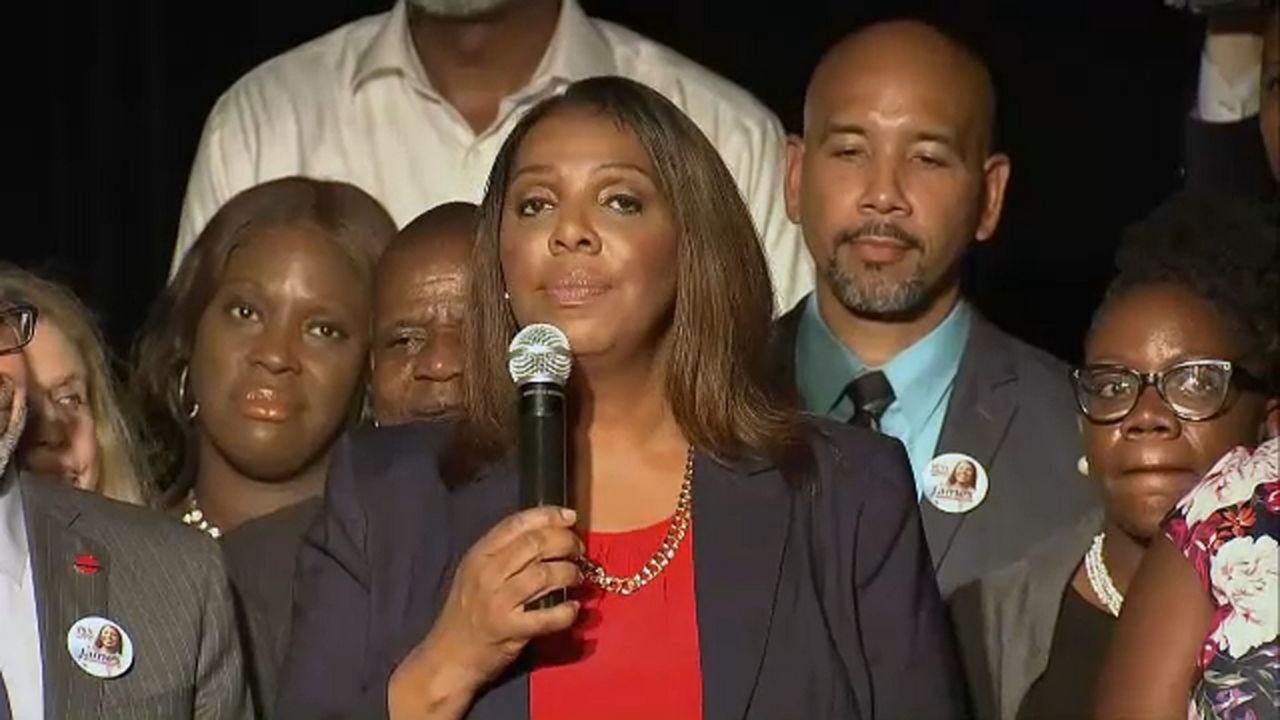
920 375
13 531
578 50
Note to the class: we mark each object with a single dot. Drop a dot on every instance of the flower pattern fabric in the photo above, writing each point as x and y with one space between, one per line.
1227 527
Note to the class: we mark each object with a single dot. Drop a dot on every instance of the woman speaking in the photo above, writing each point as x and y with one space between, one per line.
728 557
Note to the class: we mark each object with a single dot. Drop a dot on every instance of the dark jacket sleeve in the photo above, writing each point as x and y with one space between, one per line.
906 639
1227 158
328 669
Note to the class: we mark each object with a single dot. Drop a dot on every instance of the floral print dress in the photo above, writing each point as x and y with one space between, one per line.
1227 527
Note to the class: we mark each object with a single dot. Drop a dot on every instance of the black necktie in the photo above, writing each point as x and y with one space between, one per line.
871 394
5 712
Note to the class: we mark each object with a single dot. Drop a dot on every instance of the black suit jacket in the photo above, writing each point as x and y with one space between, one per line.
260 557
812 602
1228 158
1012 410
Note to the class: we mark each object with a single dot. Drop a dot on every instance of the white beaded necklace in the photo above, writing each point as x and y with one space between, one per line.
1099 579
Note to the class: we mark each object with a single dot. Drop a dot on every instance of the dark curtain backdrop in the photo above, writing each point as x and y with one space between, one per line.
107 101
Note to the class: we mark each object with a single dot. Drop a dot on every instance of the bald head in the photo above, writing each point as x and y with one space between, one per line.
420 298
916 58
895 176
450 223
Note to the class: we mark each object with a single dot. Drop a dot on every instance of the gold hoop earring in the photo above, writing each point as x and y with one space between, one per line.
194 408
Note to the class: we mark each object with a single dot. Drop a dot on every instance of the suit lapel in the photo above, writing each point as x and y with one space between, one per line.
978 416
740 529
474 509
63 596
1031 614
741 518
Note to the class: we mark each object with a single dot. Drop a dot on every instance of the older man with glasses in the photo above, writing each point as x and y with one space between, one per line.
76 567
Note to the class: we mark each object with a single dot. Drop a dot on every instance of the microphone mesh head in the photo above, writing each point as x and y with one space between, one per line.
539 353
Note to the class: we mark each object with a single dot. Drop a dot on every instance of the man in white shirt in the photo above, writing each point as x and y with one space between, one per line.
414 104
75 566
1237 93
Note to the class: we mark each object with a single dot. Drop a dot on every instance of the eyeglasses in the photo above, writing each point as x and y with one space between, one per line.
1195 390
17 325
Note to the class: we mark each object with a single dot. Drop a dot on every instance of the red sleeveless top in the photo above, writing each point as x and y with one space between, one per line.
627 657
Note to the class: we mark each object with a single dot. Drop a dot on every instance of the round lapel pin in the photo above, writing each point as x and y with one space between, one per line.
87 564
100 647
955 483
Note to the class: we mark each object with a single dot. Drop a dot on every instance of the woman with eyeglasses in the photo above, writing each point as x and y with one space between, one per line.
1179 368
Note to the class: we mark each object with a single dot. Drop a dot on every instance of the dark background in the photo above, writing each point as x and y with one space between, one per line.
109 99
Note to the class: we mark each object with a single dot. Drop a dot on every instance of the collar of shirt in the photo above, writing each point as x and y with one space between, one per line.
921 375
13 532
1219 100
578 50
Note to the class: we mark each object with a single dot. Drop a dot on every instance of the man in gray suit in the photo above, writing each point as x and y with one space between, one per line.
108 610
893 180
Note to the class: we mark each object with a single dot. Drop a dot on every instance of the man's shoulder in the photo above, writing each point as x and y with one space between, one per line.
116 524
855 461
323 63
704 95
1037 371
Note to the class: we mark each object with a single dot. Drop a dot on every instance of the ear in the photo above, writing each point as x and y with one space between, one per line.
791 180
995 179
1271 420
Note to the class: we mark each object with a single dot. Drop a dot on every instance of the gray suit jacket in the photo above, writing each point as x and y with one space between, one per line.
1005 622
1012 410
163 583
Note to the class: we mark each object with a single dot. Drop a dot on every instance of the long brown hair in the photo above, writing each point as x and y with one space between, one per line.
717 368
350 217
122 464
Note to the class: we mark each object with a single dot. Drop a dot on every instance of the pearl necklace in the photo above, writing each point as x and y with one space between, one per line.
194 517
1099 579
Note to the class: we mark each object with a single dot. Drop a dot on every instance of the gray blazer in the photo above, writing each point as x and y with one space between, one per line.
163 583
1005 622
1011 409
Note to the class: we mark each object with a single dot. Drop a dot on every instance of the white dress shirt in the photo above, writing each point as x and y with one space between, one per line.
19 626
1221 101
356 105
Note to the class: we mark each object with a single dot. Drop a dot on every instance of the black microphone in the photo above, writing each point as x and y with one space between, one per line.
539 361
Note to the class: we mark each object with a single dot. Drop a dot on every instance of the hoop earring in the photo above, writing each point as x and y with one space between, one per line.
194 408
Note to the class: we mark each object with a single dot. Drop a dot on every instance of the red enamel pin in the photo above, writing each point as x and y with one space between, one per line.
87 564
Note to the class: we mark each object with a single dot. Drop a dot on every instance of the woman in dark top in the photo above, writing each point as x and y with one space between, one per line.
251 366
252 359
729 558
1179 368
